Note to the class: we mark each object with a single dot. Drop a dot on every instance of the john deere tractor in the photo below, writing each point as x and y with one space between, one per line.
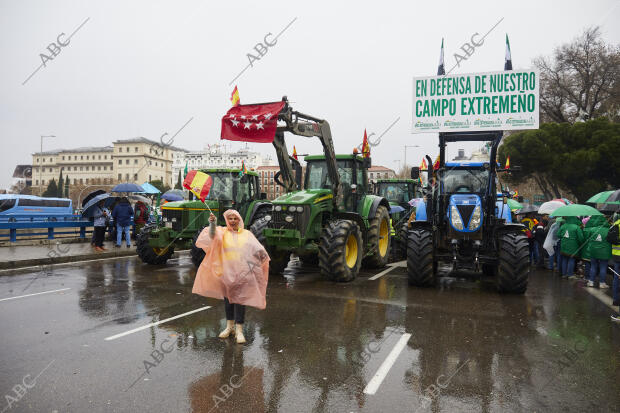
463 223
398 193
334 221
182 221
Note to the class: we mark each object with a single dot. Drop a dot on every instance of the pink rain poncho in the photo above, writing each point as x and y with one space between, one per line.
235 266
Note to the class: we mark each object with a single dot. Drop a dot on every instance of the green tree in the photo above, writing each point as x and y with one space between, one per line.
66 194
179 184
52 190
61 187
583 157
160 185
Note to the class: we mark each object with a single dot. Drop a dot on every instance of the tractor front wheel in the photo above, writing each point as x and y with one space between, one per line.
514 268
278 259
421 268
151 255
379 238
340 250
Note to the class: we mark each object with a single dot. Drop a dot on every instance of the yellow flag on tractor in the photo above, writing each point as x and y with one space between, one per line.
199 183
295 153
507 163
234 97
436 164
423 166
365 146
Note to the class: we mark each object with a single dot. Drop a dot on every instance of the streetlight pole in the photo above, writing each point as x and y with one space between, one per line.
397 160
409 146
41 162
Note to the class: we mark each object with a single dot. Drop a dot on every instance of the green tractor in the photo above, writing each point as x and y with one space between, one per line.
182 221
334 221
398 193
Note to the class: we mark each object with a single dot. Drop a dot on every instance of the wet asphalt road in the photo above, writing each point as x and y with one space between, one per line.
316 347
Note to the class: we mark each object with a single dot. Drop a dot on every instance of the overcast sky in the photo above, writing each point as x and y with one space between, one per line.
143 68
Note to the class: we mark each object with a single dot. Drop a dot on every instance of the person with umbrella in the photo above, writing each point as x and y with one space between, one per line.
571 236
235 268
598 249
99 215
123 216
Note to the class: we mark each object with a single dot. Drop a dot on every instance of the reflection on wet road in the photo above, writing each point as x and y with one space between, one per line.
318 347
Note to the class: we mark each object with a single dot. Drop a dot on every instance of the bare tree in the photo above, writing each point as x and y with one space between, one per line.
580 81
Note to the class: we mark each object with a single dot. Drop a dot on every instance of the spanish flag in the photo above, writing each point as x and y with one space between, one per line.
199 183
507 163
423 166
234 97
243 170
295 153
436 164
365 146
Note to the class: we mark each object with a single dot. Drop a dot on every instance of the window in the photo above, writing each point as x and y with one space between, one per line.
149 178
127 177
86 181
63 157
99 157
75 168
120 161
51 160
62 169
135 177
81 168
37 182
81 181
105 156
126 161
51 170
105 168
87 168
82 157
99 168
74 181
135 161
69 157
86 157
120 149
120 177
136 149
150 163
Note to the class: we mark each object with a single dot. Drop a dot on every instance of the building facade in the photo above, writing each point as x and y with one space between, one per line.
380 172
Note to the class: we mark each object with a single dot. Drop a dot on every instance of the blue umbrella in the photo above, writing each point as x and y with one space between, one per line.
127 187
89 208
150 189
395 209
171 196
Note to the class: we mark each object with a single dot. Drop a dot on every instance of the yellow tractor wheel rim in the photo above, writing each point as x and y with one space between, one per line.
384 232
160 251
350 251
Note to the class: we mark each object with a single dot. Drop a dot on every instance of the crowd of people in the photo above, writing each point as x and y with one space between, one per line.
587 248
118 222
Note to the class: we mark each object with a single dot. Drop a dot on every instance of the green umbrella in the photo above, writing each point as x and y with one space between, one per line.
600 197
575 210
514 205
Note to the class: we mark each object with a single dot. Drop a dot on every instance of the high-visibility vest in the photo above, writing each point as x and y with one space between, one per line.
392 231
615 248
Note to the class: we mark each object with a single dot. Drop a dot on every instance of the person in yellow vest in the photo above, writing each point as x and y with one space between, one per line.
613 237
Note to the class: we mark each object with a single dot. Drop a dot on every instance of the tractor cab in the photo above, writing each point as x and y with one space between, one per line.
396 191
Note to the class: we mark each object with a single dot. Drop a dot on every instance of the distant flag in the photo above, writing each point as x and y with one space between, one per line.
365 146
507 163
234 97
508 59
441 69
436 164
516 195
199 183
185 170
243 170
423 166
295 153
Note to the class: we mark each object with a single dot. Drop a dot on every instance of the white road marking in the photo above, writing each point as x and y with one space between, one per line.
601 296
30 295
375 382
381 274
114 337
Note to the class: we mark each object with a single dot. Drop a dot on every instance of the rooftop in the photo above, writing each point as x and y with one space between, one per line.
141 139
377 168
81 149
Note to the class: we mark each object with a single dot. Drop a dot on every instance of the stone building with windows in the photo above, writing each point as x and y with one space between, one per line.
380 172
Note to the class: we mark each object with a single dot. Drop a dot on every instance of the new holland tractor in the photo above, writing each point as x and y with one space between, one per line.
182 221
463 223
334 221
398 193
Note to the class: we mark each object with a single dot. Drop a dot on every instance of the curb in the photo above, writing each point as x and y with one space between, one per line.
13 265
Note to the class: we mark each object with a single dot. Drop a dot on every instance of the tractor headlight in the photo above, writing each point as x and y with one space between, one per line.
174 220
267 218
300 209
277 208
474 222
455 218
288 218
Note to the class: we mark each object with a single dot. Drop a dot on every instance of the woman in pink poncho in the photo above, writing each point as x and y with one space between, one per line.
235 268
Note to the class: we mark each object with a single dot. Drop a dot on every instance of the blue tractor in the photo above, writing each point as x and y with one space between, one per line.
465 223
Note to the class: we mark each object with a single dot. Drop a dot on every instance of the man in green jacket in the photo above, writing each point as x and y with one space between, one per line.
571 236
598 248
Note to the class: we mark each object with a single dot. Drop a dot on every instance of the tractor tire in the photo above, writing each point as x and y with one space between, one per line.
148 254
278 259
514 268
197 254
401 243
340 250
421 268
379 239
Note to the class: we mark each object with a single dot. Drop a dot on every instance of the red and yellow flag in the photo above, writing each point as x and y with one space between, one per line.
365 146
243 168
507 163
199 183
234 97
423 165
295 153
436 164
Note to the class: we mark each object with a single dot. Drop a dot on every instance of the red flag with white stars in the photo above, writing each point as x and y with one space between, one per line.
251 123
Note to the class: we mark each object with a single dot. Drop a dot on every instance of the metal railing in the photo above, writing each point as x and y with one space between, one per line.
51 223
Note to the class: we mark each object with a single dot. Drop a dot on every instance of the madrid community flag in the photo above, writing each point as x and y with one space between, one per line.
507 163
508 58
365 146
251 123
199 183
234 97
295 153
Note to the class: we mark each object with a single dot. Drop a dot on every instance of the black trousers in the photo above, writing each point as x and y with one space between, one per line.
99 235
234 311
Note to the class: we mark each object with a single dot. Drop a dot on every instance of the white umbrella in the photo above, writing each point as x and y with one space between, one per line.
549 207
